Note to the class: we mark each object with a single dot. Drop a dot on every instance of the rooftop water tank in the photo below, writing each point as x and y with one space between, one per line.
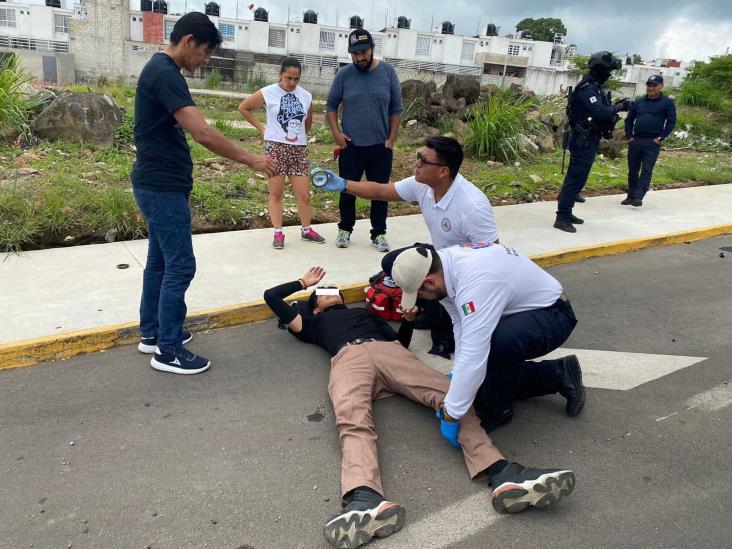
403 22
491 30
356 22
212 8
159 6
448 28
310 17
260 14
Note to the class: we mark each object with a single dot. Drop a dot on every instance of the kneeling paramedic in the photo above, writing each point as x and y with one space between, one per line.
505 310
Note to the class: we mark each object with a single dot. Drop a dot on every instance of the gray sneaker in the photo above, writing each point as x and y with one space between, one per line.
381 243
312 236
343 240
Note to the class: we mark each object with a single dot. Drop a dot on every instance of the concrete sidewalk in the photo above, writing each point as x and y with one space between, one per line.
51 293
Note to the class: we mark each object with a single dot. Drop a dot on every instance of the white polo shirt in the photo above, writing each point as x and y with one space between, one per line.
486 282
464 214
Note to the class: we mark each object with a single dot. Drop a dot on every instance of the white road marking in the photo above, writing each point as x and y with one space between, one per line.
448 526
714 399
600 369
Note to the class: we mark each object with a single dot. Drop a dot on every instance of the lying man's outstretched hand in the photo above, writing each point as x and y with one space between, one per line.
327 180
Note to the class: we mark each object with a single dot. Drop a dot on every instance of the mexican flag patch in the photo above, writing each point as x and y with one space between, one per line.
468 308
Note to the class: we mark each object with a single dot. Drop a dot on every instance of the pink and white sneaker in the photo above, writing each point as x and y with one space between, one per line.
312 236
279 240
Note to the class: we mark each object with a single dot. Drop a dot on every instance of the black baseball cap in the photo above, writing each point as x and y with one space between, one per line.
655 79
358 40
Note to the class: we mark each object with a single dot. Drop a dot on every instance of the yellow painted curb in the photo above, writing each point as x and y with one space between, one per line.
65 346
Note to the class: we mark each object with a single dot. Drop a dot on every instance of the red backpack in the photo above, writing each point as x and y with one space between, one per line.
383 297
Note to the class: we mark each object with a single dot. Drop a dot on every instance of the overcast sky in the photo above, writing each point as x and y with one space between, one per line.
678 29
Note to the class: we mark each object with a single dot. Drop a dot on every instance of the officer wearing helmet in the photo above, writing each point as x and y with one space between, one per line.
591 116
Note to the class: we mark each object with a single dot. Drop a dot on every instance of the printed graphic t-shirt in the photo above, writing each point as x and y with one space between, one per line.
286 113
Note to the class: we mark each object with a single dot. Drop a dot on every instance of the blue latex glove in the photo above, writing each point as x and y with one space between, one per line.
449 430
449 376
334 183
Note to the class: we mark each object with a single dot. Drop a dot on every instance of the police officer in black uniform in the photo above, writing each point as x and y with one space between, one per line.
591 116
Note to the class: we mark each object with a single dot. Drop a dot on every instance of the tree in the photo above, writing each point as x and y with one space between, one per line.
542 29
579 63
637 60
718 71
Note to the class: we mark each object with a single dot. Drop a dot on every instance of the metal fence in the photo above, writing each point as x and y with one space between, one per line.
428 66
22 43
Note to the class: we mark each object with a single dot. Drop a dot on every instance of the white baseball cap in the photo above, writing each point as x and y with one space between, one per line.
409 270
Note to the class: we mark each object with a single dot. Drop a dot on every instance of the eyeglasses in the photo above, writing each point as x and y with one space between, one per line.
422 160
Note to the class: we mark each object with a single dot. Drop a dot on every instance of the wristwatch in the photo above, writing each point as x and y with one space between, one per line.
444 416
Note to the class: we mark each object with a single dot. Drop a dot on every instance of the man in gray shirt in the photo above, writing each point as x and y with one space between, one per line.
371 95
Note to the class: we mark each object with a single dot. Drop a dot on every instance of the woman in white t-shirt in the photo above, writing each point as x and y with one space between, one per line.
289 118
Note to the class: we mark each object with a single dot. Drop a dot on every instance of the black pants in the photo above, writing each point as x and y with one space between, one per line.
581 159
375 161
510 375
642 156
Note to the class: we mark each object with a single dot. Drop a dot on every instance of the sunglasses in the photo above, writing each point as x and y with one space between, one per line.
422 160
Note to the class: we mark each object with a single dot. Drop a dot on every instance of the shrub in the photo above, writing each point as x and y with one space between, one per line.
126 131
497 126
213 80
417 110
15 105
701 92
257 82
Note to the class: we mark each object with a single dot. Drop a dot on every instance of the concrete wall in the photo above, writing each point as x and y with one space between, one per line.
98 42
32 63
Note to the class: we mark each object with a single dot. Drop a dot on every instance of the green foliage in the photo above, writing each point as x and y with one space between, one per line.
542 29
256 82
213 80
701 92
126 131
497 126
718 72
322 134
417 110
15 105
637 59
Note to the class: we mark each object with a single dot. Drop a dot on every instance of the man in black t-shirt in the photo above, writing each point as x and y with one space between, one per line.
370 361
162 179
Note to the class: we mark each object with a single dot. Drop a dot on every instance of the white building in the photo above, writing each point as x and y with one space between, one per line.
42 34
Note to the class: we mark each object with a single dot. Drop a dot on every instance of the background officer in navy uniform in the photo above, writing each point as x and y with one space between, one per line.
651 119
591 116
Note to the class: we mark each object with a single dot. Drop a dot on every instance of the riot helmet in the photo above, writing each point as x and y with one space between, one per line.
601 64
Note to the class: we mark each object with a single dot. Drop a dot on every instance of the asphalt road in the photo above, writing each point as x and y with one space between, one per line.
102 451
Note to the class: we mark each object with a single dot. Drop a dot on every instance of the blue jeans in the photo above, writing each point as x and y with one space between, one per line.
170 265
580 163
642 156
510 373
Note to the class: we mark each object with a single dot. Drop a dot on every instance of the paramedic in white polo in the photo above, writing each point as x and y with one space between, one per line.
505 311
454 210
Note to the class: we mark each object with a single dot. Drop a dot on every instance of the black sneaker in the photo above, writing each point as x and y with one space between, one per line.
637 202
517 488
564 225
148 345
627 202
365 515
579 198
574 220
183 362
572 388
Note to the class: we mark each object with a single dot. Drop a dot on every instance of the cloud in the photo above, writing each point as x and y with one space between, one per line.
671 28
